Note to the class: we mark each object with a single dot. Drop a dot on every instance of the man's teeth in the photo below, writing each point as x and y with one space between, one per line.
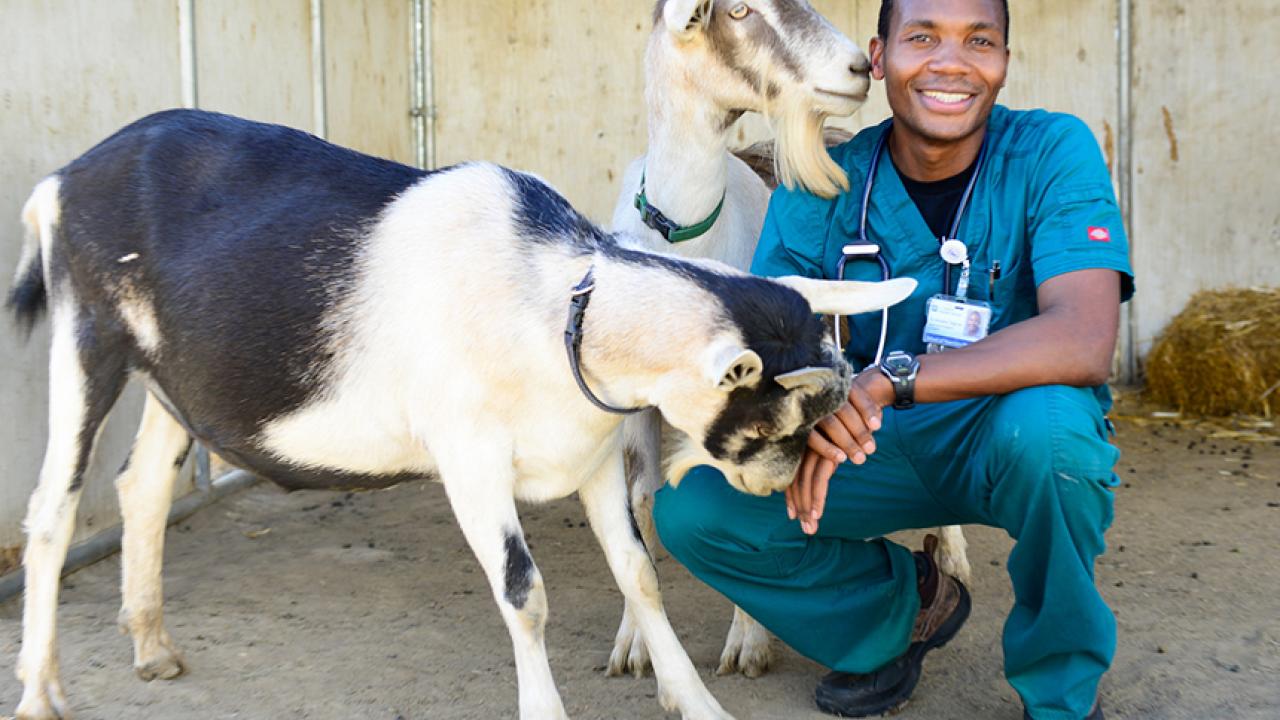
946 97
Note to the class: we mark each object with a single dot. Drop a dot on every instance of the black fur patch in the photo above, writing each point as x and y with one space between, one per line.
256 225
545 216
775 321
103 350
518 571
27 299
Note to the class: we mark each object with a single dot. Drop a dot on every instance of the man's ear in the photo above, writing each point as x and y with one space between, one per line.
682 17
875 47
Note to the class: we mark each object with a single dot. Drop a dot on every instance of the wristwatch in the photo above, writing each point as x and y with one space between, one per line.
901 369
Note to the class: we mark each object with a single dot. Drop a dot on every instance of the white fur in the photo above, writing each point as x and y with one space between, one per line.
145 489
40 213
50 521
951 554
141 319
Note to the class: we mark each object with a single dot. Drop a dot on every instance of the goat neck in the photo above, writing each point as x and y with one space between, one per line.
686 165
634 312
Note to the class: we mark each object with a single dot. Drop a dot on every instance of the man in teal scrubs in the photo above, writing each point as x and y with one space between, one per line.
1008 431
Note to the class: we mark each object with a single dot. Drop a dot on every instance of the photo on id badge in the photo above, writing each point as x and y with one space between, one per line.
952 322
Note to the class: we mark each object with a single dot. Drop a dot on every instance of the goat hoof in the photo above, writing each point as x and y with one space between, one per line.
630 654
748 654
751 662
45 703
629 658
166 666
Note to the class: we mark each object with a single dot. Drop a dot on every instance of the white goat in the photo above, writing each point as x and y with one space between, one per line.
324 318
706 63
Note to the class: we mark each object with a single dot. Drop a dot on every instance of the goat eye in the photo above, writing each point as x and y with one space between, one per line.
739 11
762 430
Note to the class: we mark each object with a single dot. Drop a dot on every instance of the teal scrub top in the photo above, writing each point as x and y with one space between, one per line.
1042 206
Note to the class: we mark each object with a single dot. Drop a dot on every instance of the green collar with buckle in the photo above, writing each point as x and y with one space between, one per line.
671 231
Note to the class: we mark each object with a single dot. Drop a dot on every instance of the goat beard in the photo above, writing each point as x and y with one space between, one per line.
800 156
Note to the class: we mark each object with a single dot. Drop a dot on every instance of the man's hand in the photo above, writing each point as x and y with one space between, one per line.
1070 342
846 435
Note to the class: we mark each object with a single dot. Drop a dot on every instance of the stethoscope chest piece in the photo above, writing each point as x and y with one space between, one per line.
953 252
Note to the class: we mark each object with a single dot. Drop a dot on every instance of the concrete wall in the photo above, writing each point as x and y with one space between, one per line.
72 72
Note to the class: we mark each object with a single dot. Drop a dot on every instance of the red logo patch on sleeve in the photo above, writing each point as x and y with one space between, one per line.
1099 234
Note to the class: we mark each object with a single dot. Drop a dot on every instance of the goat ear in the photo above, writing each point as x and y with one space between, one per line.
732 366
846 297
681 16
808 379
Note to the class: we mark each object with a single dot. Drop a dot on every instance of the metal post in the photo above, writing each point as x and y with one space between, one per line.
1125 176
319 104
423 106
187 52
107 542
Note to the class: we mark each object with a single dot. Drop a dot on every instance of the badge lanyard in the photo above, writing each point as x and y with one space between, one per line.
952 250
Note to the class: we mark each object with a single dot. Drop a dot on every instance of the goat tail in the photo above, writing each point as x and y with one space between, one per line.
28 298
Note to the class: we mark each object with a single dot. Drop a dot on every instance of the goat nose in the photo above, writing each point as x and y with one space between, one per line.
861 66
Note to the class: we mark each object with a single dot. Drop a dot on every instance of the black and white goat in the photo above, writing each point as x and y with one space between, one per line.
707 62
327 319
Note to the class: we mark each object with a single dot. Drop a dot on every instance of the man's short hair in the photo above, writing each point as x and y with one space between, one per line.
886 14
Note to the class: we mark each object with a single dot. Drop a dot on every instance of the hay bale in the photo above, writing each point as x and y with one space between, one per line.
1220 355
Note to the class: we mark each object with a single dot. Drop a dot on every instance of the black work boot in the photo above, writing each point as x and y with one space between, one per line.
944 607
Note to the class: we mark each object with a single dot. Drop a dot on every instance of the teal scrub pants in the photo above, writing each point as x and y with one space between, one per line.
1036 463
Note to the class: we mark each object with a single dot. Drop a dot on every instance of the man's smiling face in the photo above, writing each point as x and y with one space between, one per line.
943 63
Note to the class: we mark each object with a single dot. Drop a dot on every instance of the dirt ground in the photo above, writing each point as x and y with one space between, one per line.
333 605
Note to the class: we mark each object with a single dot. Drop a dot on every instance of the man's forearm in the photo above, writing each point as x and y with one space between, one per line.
1070 343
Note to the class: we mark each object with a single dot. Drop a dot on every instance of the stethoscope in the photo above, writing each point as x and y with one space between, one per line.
952 250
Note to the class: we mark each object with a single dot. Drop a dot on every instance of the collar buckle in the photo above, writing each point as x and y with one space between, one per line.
671 231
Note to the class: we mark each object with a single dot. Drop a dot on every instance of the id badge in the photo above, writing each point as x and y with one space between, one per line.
952 322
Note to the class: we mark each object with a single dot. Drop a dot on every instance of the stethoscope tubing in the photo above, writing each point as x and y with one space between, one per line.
864 244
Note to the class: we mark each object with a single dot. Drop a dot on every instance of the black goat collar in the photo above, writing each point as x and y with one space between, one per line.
578 301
